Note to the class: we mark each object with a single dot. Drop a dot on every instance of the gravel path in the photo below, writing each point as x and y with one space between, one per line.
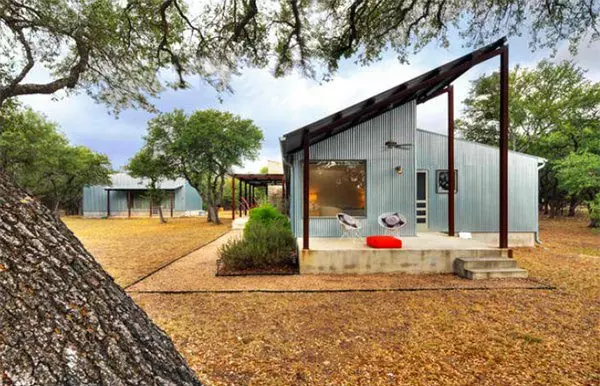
196 272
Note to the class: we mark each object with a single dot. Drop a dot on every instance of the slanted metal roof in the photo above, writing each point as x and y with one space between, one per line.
260 179
421 89
123 181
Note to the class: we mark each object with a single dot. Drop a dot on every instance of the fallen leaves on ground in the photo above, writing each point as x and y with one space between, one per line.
495 337
129 249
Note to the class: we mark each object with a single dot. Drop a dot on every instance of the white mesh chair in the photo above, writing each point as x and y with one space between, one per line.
392 222
350 227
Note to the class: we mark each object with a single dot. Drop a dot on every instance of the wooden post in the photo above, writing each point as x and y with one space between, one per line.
504 123
232 198
172 202
240 198
129 204
451 175
305 187
150 206
246 198
107 202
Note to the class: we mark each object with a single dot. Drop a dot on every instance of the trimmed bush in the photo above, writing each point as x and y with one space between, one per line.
268 241
267 213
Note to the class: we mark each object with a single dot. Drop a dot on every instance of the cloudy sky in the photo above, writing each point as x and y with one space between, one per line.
281 105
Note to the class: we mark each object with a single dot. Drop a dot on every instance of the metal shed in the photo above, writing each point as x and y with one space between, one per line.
127 196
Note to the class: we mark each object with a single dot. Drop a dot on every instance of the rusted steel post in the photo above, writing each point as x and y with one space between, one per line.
240 197
305 190
107 202
232 198
504 123
172 202
246 198
451 175
150 206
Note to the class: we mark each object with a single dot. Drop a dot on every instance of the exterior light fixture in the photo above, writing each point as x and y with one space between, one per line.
399 170
395 145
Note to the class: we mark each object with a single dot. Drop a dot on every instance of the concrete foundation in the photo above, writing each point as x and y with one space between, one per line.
515 239
425 253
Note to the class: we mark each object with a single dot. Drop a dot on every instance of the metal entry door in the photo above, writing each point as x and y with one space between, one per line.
422 196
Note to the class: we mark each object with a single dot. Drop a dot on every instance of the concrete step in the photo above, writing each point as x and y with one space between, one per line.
495 273
486 262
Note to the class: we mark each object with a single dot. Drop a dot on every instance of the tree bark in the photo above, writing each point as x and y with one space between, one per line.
213 214
573 206
63 320
160 215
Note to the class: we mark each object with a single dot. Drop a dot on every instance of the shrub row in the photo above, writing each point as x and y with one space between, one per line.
268 241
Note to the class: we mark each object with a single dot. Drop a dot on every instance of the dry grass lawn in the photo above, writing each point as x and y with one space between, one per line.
129 249
492 337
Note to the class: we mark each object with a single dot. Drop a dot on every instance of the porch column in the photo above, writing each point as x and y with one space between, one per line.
240 197
245 198
305 187
129 204
107 202
451 175
172 202
232 198
504 122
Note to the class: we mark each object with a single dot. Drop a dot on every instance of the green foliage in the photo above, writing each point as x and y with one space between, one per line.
154 167
265 214
268 241
579 174
595 210
203 148
42 161
264 170
115 50
554 114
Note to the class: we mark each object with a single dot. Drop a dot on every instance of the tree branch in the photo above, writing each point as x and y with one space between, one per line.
69 81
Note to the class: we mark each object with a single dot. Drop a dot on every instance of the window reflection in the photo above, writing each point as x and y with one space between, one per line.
337 186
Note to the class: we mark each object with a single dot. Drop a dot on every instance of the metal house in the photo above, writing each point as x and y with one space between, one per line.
370 158
127 196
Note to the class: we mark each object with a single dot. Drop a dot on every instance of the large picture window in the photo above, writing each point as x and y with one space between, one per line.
337 186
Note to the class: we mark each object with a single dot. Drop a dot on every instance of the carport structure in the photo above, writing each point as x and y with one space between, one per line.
247 184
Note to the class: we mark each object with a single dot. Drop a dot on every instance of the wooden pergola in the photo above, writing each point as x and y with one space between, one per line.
420 89
247 184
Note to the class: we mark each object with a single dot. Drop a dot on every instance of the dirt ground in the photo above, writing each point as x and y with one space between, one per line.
482 337
129 249
196 272
496 336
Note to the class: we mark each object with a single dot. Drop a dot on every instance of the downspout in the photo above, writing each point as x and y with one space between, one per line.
541 164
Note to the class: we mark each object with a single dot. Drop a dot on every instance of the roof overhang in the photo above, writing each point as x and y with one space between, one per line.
420 89
260 179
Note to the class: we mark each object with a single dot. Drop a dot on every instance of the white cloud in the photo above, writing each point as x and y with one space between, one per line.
281 105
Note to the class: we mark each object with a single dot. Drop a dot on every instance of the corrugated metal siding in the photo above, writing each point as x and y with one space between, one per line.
386 191
94 200
476 201
193 201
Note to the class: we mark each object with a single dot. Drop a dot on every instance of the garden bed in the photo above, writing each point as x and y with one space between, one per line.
287 269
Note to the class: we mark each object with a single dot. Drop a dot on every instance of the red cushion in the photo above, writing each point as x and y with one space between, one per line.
384 242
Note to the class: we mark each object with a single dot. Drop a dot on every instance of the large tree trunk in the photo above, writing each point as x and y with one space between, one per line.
63 320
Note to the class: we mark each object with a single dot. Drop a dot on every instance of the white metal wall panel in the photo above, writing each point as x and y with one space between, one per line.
386 191
476 201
